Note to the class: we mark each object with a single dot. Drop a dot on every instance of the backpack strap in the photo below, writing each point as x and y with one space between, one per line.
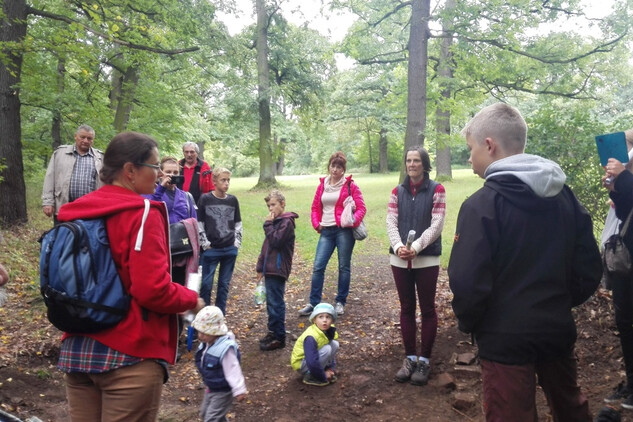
139 236
626 224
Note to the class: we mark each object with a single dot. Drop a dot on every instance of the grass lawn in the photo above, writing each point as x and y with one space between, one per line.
376 188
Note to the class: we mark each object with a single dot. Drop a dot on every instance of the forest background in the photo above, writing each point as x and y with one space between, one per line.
270 99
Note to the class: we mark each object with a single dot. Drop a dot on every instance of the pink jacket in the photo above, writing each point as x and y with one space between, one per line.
317 205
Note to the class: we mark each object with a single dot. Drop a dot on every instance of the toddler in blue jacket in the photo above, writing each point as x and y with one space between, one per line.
218 361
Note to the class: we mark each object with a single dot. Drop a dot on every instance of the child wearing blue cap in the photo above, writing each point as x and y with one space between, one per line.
314 353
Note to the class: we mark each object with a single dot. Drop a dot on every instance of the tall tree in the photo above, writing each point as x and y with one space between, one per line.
442 111
266 160
13 27
418 61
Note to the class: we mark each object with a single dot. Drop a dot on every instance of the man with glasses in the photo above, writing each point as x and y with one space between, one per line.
73 171
198 174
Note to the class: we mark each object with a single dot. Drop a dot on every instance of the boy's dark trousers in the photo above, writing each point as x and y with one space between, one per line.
509 391
275 305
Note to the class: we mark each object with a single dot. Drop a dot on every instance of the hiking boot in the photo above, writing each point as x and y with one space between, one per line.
608 414
339 308
310 380
421 374
267 338
627 403
408 368
307 310
273 344
620 392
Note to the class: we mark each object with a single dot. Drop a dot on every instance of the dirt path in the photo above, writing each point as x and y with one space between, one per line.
371 353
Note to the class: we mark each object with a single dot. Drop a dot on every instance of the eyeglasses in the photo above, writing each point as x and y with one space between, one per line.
153 166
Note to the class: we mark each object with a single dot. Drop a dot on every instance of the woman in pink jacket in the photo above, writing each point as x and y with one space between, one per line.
327 208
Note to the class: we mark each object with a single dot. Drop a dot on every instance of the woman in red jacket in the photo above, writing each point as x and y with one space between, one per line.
118 373
327 208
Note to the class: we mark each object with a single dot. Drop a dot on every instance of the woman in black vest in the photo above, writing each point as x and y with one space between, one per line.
415 218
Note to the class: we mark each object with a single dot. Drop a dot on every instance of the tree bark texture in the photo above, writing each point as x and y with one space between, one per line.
443 112
383 161
12 188
416 82
56 125
266 161
125 99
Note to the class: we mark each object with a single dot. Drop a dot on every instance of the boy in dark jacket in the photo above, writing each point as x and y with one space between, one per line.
524 254
274 264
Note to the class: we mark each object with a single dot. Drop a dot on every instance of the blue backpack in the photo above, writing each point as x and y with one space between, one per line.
79 279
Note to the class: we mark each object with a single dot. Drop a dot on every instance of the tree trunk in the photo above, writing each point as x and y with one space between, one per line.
126 98
382 152
281 154
12 189
416 74
266 161
56 126
201 154
443 112
368 130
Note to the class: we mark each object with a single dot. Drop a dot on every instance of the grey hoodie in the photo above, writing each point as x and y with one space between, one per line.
543 176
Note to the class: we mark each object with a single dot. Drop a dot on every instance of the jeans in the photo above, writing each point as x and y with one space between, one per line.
327 357
275 305
509 391
343 240
211 258
129 393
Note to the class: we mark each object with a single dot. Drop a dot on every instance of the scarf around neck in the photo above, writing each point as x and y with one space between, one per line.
335 187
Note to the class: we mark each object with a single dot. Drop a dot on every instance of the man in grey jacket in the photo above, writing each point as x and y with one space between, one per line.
73 171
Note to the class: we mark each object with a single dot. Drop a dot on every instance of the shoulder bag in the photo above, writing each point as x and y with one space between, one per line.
360 231
616 257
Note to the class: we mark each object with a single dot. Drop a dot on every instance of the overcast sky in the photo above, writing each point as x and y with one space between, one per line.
298 12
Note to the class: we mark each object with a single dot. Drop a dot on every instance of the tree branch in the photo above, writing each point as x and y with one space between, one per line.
602 48
377 60
492 85
44 14
390 13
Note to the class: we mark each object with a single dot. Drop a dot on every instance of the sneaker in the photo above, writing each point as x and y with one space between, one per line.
408 368
310 380
339 308
620 392
627 403
421 374
307 310
608 414
273 344
268 337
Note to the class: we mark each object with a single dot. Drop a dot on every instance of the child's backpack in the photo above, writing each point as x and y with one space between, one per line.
79 279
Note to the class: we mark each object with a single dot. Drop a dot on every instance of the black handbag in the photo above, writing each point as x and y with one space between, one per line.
179 243
616 257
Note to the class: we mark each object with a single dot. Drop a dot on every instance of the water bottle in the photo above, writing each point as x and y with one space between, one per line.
260 292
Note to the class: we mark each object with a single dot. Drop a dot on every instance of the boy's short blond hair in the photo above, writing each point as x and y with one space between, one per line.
501 122
220 170
275 194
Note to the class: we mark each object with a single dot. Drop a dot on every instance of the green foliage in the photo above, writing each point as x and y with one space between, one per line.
565 132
